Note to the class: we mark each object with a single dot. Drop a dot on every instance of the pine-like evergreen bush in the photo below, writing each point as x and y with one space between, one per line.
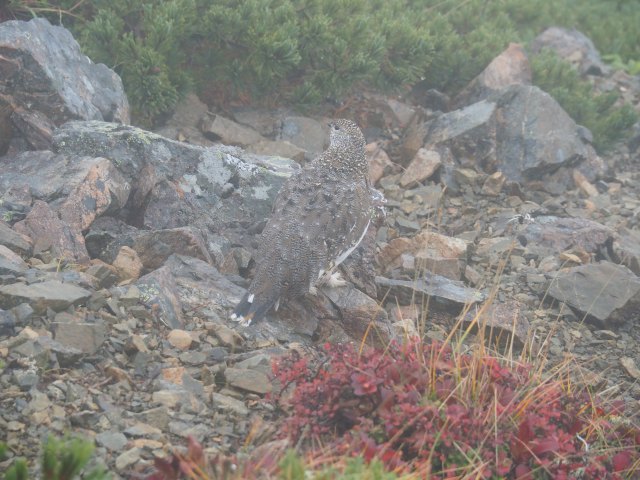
598 112
309 51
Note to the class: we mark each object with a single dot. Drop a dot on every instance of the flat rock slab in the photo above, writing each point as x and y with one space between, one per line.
277 148
502 322
441 289
11 263
51 294
44 349
247 379
218 128
14 241
48 176
306 133
558 234
604 291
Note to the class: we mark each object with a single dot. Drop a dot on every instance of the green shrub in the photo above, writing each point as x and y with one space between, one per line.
282 51
148 44
62 459
307 52
608 123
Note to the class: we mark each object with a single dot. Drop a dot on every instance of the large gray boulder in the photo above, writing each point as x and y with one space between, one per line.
45 80
604 292
43 69
520 131
175 184
572 46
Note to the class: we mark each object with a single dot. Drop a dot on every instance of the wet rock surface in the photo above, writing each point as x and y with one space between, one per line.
122 253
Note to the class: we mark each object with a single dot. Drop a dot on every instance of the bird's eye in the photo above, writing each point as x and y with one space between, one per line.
336 127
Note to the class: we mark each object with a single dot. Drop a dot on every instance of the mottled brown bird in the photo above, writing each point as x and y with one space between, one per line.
319 217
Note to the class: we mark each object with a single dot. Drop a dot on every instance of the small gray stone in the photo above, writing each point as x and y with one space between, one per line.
249 380
147 430
7 322
112 440
26 379
157 418
75 331
228 404
170 398
41 296
193 358
306 133
128 458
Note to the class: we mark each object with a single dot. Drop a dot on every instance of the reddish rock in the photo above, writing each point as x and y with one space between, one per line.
424 164
128 264
493 184
379 161
102 188
427 250
46 230
180 339
511 67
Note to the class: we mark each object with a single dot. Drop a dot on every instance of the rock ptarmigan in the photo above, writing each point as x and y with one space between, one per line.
319 217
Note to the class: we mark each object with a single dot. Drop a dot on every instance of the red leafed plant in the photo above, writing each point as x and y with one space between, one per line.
424 408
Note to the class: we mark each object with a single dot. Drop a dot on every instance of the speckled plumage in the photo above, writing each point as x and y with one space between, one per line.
319 216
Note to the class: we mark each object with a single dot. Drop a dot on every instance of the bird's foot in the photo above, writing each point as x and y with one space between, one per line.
240 319
331 280
335 280
313 290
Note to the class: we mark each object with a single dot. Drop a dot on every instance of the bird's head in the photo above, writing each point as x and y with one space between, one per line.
345 134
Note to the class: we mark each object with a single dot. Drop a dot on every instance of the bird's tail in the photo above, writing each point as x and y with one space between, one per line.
252 308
